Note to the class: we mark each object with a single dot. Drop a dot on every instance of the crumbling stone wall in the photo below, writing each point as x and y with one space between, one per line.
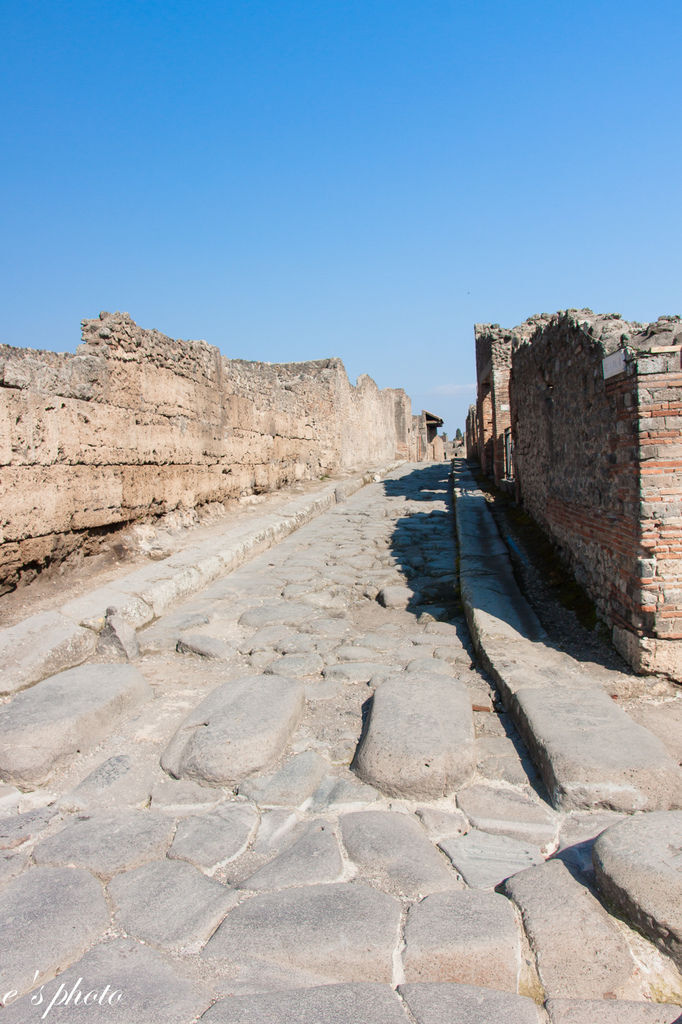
471 433
494 346
597 426
136 424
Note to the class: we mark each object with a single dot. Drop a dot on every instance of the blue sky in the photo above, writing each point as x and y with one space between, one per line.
361 178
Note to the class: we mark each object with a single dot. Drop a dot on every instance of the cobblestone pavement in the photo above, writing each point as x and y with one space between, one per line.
293 797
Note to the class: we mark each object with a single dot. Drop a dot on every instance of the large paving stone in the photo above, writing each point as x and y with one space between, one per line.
467 1004
10 799
42 728
119 980
359 1003
280 613
442 824
267 639
212 648
419 741
591 754
236 731
18 829
170 904
11 865
663 720
397 596
49 918
467 937
313 858
327 627
339 793
182 797
278 829
297 665
357 652
107 843
119 781
484 860
357 671
302 643
342 931
430 666
638 867
611 1011
394 853
577 946
41 646
293 783
211 840
509 813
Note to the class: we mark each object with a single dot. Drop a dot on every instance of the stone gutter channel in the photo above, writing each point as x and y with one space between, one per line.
52 641
588 751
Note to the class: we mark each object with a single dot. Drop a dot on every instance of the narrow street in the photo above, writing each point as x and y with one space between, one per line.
295 796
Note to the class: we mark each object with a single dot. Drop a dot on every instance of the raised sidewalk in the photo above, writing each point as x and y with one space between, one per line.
589 752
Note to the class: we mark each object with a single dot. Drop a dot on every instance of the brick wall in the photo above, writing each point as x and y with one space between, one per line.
596 422
136 424
658 584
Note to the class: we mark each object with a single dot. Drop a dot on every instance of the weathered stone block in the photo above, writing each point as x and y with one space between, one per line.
419 742
45 726
236 731
638 867
41 646
344 932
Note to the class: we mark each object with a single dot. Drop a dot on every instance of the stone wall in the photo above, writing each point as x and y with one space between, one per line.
471 434
136 424
494 346
597 429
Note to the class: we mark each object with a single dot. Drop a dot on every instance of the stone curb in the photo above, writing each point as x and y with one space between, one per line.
147 593
588 751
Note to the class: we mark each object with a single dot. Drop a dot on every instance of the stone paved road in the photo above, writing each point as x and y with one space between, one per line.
302 802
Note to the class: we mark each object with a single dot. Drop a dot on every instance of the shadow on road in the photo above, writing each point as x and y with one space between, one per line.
423 543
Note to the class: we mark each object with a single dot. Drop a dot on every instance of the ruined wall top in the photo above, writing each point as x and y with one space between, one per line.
608 331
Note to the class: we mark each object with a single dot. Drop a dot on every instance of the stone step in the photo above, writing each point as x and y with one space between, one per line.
589 752
41 646
419 741
638 868
237 730
42 728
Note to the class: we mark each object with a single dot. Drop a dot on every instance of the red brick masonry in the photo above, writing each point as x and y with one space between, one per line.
595 407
